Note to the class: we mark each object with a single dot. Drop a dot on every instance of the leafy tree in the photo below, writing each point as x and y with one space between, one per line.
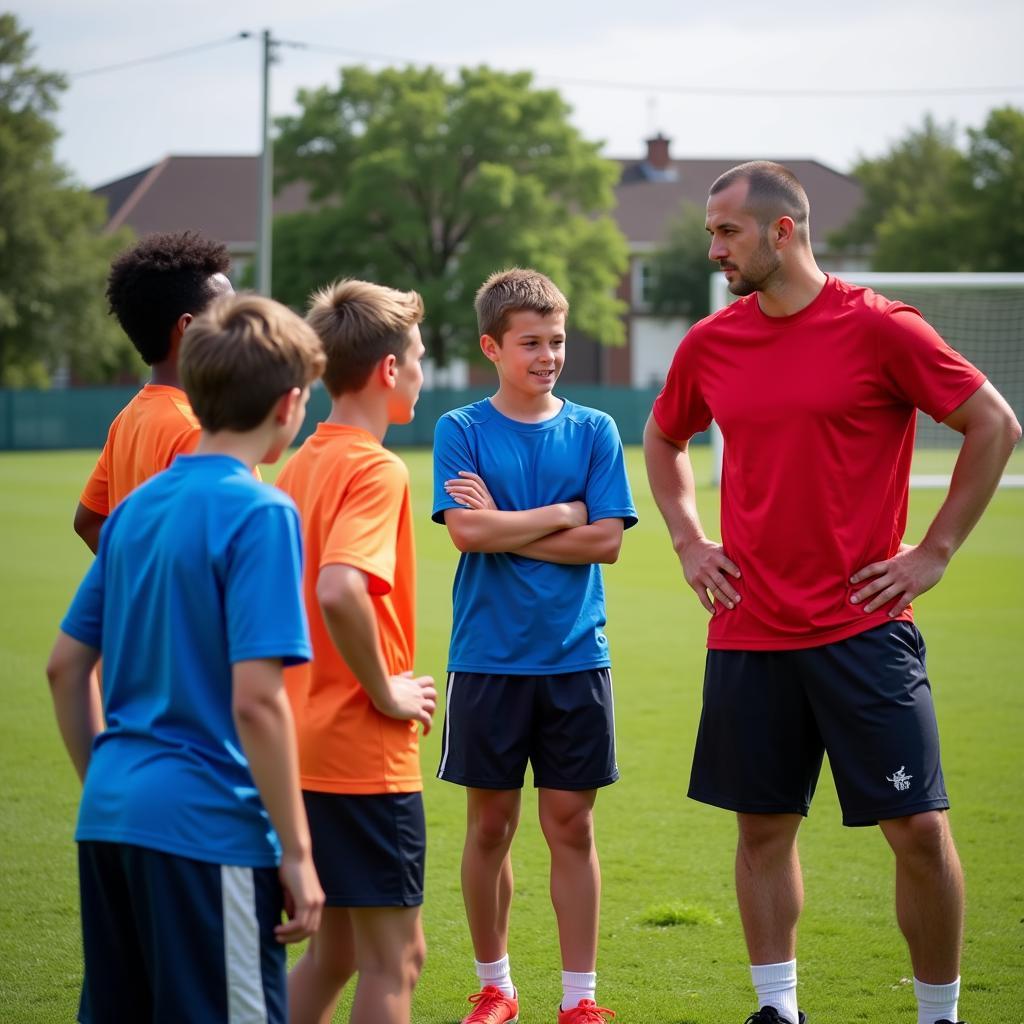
930 205
680 269
53 260
434 184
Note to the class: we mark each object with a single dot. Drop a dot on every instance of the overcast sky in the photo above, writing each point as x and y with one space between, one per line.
677 63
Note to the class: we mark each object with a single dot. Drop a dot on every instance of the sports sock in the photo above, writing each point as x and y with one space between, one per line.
496 974
936 1002
577 985
775 985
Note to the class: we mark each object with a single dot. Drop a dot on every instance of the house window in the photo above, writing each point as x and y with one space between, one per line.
643 282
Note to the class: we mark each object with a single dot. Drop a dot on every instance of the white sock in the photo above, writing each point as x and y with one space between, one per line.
496 974
936 1002
775 985
577 985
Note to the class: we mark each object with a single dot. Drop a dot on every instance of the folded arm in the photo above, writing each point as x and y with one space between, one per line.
482 527
580 545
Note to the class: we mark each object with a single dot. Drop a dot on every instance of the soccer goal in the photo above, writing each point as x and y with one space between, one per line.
980 315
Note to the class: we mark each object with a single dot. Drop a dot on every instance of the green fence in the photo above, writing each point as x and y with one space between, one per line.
79 417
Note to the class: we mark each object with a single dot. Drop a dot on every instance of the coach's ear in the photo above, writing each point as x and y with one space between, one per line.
784 230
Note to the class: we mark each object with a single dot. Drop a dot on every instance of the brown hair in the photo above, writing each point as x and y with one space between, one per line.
359 324
773 191
241 355
513 290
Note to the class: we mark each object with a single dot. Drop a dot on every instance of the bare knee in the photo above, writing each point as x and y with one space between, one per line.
924 837
492 826
571 828
334 962
767 837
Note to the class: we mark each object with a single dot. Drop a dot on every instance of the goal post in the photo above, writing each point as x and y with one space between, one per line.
980 315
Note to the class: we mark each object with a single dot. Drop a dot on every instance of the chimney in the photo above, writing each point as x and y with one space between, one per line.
657 153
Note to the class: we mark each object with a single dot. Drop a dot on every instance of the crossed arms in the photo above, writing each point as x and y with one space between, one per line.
557 533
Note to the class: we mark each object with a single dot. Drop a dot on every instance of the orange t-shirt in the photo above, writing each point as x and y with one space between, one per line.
353 496
147 434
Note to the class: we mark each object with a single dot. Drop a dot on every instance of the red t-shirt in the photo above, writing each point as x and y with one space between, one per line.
818 413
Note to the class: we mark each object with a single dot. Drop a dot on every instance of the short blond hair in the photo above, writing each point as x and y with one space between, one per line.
359 323
241 355
511 291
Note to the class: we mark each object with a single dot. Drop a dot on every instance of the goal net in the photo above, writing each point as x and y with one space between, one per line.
980 315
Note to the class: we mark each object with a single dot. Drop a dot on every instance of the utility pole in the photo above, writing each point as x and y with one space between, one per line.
266 214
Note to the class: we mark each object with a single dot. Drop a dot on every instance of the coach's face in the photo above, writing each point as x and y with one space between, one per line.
739 243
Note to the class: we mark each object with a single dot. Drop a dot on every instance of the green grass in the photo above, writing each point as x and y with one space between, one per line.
671 945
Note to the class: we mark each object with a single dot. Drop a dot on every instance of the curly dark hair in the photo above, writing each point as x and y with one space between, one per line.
158 280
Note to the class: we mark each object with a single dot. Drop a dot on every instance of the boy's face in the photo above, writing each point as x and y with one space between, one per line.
408 380
532 351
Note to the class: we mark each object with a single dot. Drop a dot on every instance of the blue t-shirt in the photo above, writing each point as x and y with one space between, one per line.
519 615
199 568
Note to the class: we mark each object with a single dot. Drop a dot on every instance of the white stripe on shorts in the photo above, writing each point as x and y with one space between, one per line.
447 726
246 1003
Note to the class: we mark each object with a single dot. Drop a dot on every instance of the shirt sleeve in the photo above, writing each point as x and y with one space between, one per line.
84 618
680 409
263 603
364 534
96 494
451 454
608 495
919 367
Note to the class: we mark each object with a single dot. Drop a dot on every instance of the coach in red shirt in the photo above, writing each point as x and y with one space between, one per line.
815 384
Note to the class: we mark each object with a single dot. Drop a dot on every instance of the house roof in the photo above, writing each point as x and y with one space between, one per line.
216 195
648 199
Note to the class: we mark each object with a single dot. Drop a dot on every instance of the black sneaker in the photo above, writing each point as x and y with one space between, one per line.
769 1015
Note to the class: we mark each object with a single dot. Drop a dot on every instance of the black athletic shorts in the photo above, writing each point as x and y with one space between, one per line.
564 725
769 716
168 939
369 850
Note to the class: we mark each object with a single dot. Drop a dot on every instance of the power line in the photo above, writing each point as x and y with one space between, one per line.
693 90
169 55
592 83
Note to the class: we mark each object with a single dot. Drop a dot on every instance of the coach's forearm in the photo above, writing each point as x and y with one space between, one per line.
990 432
670 475
598 542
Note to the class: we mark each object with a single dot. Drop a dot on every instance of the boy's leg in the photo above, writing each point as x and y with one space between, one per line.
567 820
389 954
492 816
316 981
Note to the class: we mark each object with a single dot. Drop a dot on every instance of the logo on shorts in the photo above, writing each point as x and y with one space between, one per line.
900 779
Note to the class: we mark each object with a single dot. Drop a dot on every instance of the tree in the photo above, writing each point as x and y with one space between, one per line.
433 184
680 269
930 205
53 260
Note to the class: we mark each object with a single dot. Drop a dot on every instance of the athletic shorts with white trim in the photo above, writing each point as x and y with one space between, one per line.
769 716
563 725
169 939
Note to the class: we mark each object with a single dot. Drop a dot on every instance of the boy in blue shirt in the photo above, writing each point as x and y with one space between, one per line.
191 830
534 493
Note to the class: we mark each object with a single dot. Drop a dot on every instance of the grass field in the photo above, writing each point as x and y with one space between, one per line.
671 946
